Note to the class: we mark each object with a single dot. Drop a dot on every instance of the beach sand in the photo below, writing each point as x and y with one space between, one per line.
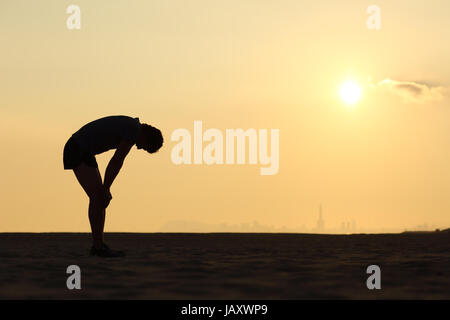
227 266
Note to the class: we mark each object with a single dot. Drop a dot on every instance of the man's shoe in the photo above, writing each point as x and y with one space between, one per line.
105 252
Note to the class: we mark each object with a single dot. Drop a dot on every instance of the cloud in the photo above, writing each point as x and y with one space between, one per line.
413 91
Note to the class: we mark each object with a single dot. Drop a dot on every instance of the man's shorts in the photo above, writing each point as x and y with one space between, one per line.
74 155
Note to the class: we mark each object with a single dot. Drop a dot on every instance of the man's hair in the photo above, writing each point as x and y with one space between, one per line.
153 138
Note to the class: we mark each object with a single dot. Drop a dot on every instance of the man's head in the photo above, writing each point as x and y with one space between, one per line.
150 138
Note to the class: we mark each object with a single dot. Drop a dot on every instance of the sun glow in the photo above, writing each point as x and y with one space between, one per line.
350 92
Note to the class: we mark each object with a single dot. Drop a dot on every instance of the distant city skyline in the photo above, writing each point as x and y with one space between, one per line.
256 227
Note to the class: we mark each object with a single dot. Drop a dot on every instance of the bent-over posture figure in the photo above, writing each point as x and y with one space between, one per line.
114 132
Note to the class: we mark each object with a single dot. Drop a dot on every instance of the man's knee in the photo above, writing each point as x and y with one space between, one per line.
97 197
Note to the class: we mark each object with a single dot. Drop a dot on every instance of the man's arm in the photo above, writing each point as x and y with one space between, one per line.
116 162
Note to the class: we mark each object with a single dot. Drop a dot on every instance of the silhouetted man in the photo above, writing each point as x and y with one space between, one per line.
114 132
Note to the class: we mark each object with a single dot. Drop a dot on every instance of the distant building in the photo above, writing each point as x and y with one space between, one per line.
347 227
320 227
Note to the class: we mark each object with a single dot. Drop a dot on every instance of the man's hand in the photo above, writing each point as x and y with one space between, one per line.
107 197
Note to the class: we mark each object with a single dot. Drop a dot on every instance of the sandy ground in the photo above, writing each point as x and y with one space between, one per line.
227 266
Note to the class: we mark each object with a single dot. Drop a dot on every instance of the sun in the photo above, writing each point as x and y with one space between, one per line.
350 92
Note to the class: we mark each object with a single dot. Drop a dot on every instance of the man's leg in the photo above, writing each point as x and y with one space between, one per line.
91 181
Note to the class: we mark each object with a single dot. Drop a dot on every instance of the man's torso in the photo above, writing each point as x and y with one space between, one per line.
106 133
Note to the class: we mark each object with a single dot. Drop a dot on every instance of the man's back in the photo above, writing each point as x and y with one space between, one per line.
106 133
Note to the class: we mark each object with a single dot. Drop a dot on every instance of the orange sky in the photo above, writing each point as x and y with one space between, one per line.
231 64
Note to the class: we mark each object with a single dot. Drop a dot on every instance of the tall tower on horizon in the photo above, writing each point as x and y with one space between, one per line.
320 223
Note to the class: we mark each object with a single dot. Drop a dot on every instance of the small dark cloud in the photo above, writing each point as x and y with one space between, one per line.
413 91
412 88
